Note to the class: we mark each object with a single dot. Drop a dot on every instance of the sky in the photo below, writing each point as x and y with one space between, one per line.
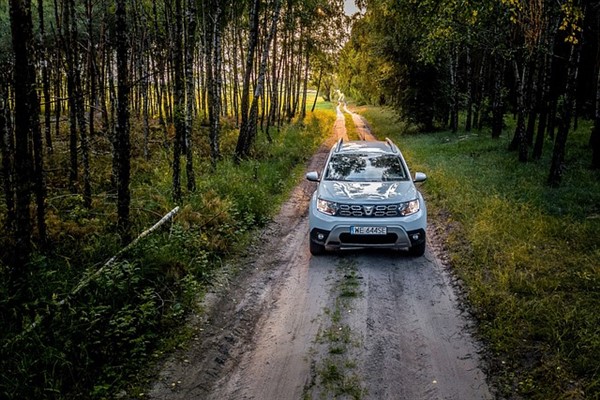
350 7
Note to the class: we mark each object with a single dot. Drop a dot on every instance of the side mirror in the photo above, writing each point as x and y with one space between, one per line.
313 176
419 177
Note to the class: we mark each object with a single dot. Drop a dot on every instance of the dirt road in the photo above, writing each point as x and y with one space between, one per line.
370 325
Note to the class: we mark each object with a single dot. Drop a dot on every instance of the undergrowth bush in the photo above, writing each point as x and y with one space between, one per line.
57 342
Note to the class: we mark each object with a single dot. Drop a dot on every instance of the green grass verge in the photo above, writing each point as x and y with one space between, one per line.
528 255
92 344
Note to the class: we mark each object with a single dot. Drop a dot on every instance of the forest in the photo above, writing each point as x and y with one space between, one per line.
112 113
433 60
115 112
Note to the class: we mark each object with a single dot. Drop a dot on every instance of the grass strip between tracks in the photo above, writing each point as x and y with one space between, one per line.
335 374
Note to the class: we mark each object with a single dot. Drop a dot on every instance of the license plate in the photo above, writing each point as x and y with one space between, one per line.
368 230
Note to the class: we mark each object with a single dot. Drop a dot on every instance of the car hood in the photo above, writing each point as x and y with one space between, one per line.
390 192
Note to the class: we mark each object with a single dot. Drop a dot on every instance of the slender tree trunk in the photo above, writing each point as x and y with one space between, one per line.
479 91
92 71
258 91
498 101
305 85
122 151
470 94
244 136
533 101
274 103
519 141
544 91
144 86
318 88
214 86
298 75
558 166
189 72
595 135
236 82
104 71
7 150
454 90
80 109
58 92
179 109
552 109
69 44
45 78
25 97
146 101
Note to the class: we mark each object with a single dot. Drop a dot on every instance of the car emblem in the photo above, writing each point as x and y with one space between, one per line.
369 210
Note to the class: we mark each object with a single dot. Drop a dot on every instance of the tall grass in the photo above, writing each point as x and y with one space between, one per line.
529 255
90 345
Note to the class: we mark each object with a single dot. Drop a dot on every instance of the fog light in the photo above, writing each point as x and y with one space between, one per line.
320 236
416 236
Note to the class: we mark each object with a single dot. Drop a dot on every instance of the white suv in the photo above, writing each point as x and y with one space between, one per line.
366 197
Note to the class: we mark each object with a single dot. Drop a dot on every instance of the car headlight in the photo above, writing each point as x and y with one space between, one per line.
327 207
410 207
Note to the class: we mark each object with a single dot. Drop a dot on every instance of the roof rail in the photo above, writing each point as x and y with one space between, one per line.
339 144
392 145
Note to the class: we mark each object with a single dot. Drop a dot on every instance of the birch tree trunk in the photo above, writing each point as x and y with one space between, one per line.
243 138
122 151
189 76
274 103
258 91
234 51
318 88
305 84
214 85
179 108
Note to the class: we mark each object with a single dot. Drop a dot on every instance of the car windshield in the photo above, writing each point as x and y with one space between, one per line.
364 167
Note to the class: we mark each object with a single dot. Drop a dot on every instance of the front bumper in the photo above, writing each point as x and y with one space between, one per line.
341 238
335 232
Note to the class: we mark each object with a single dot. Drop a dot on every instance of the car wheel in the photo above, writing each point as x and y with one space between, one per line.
316 249
418 250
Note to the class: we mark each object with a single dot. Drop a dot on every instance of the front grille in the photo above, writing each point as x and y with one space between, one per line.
348 238
369 211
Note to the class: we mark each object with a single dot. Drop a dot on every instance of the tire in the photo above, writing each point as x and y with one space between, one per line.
316 249
418 250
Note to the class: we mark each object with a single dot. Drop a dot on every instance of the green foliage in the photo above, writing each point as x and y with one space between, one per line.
56 344
382 63
528 254
5 36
